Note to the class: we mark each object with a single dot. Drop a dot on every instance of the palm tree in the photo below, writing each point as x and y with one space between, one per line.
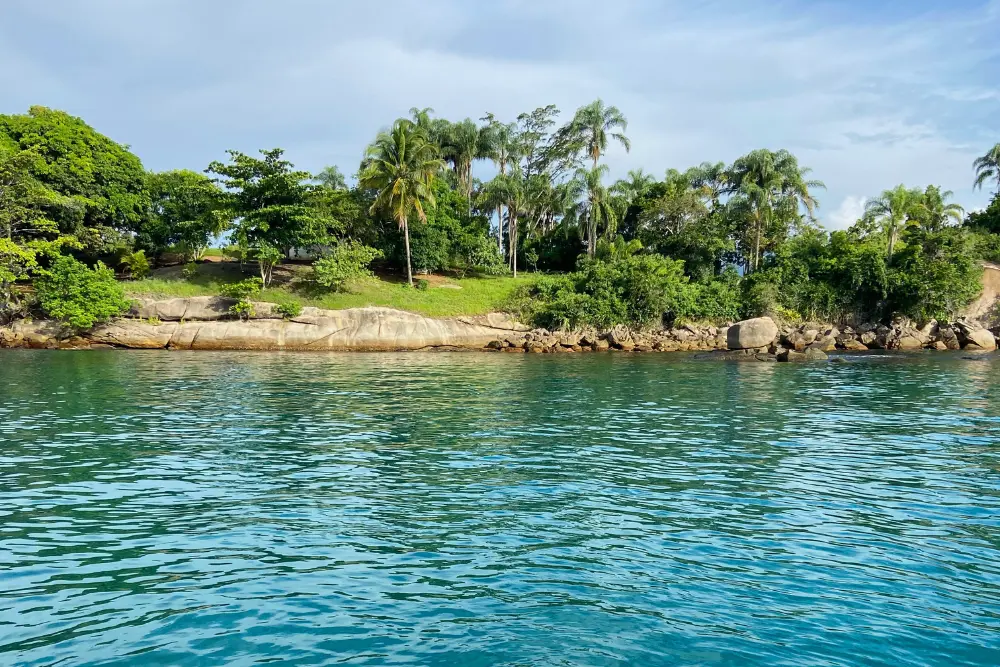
634 186
595 124
463 144
503 148
598 205
710 176
509 190
892 209
769 187
987 167
400 166
935 212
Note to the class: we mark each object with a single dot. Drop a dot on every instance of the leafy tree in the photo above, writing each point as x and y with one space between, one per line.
104 179
244 292
185 211
988 167
935 275
504 148
79 296
272 206
400 166
892 210
26 233
986 221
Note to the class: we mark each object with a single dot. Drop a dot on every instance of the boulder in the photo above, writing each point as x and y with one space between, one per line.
824 343
813 354
619 336
909 342
980 339
799 340
791 356
601 345
852 344
751 334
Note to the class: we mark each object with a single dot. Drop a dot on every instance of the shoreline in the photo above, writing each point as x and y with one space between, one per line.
205 323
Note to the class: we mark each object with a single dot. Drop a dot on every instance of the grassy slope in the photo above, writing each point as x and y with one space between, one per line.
476 296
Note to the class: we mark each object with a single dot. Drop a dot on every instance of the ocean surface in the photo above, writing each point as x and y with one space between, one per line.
203 509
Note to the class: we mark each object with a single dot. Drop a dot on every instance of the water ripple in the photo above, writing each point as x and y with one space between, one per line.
237 509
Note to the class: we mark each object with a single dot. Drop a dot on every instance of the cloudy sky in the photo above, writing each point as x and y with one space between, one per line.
869 93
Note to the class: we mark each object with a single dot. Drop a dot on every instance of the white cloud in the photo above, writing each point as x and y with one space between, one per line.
868 101
848 213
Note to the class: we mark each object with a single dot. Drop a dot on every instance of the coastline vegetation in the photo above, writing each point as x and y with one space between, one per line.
452 218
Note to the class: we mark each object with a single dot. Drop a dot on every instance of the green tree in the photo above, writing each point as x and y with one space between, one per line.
104 179
934 212
331 178
593 126
26 233
987 167
400 166
598 208
768 189
503 147
272 206
186 210
462 144
892 209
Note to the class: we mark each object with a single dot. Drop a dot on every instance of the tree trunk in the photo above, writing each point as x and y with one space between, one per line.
409 268
500 229
756 251
892 241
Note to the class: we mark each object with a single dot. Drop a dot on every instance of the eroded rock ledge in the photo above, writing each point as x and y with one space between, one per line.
205 323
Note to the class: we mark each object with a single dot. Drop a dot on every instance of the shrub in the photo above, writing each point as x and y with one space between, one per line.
189 271
136 264
244 293
422 285
348 261
81 297
635 290
289 309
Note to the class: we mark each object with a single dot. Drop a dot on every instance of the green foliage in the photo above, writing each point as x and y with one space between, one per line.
289 309
422 284
244 292
135 264
272 206
79 296
185 212
935 275
347 262
635 290
987 221
190 270
102 181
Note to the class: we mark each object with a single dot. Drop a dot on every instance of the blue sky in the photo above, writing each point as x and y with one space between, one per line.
869 94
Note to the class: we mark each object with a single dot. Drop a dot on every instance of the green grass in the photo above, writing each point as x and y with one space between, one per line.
477 296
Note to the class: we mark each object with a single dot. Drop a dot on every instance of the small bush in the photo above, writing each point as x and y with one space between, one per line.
289 309
422 284
244 293
347 262
135 264
81 297
189 271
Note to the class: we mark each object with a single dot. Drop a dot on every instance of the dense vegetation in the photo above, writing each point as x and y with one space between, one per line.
714 242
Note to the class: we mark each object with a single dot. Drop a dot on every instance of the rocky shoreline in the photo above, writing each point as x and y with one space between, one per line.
205 323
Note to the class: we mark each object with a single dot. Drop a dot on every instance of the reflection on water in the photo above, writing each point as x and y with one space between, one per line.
235 508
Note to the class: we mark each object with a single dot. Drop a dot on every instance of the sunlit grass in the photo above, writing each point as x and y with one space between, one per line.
476 296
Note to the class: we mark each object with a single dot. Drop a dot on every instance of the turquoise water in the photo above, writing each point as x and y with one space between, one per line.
165 508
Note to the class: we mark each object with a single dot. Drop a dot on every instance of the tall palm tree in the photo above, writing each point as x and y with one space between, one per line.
400 166
892 209
598 205
595 124
463 144
710 176
987 167
511 191
770 188
935 210
503 148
